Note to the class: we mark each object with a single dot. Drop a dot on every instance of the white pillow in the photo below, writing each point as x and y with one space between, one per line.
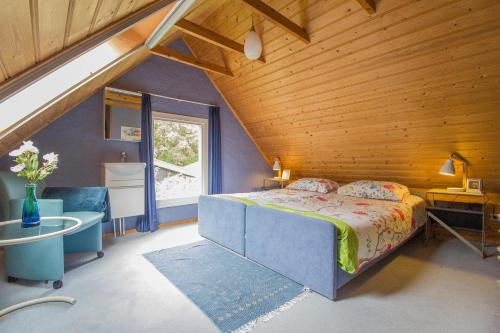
372 189
320 185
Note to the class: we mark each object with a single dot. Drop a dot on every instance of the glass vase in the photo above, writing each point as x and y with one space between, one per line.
31 214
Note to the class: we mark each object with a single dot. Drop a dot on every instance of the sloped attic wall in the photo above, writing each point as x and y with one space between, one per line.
382 96
77 136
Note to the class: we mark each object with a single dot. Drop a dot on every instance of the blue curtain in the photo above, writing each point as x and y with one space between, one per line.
149 221
214 152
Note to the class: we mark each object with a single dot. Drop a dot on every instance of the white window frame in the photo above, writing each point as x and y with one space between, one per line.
203 123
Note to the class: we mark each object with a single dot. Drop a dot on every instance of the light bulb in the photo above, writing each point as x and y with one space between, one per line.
253 45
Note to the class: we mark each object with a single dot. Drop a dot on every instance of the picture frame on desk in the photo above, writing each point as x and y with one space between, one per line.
474 185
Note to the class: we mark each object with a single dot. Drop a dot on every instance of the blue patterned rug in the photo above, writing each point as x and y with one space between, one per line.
234 292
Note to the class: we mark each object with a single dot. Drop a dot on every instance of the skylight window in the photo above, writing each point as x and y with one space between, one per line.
26 102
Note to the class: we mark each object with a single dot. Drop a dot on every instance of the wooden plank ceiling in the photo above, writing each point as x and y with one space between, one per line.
34 30
130 51
383 96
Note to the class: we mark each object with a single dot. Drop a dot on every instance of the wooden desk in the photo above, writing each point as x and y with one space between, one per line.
441 200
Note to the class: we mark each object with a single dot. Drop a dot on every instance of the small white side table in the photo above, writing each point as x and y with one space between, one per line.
280 181
12 233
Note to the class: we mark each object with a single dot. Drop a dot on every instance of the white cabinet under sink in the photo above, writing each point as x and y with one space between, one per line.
125 182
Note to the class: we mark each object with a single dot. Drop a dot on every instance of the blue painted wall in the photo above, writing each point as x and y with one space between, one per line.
78 135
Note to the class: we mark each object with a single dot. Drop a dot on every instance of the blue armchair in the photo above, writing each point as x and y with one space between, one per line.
44 260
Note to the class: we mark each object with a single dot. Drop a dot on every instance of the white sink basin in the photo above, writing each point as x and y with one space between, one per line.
125 169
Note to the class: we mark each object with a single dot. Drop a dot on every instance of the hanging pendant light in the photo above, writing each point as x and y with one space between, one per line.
253 45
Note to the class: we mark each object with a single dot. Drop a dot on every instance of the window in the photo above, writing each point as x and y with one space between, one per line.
180 159
24 103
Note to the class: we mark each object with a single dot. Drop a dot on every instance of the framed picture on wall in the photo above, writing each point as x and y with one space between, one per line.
130 134
474 185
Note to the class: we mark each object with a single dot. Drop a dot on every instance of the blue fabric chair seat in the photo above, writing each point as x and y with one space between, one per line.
86 203
88 219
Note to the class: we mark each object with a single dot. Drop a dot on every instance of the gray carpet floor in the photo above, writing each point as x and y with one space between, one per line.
440 287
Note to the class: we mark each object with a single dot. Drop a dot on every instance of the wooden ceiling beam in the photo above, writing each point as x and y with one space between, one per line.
368 5
211 37
199 12
178 12
168 53
278 19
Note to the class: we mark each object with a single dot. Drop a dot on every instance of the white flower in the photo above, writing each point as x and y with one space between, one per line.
26 147
15 153
17 168
51 158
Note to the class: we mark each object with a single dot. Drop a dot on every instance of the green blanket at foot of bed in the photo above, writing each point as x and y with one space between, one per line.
347 238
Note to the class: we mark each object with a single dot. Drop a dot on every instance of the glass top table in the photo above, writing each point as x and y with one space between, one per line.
12 233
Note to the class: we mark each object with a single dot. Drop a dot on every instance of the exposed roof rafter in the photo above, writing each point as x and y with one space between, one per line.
211 37
278 19
177 13
368 5
168 53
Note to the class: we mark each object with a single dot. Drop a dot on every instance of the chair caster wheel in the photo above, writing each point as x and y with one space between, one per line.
11 279
57 284
100 254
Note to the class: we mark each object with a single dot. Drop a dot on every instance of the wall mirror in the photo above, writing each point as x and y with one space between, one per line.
122 115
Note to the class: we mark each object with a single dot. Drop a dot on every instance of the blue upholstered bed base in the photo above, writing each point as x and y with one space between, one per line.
301 248
222 221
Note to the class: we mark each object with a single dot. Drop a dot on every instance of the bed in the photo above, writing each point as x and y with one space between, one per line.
319 240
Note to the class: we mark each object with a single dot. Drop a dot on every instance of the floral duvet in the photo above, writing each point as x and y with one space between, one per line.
367 228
